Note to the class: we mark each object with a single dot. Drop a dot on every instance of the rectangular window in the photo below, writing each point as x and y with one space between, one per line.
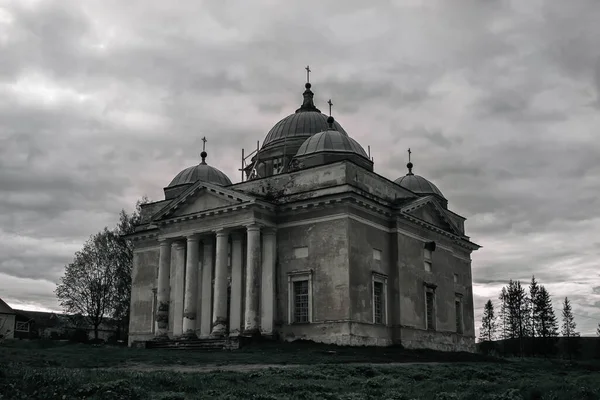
379 286
430 310
455 278
378 302
459 314
301 301
427 259
22 327
278 165
300 297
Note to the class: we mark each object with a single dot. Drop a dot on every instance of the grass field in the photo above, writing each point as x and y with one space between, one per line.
34 370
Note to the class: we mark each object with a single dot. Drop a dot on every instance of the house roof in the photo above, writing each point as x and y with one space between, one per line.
5 308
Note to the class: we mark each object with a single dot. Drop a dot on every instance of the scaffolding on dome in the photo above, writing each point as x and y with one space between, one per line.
250 167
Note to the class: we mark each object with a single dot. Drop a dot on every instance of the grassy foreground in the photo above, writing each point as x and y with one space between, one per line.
28 371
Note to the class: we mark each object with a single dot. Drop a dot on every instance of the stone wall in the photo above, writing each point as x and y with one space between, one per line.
323 248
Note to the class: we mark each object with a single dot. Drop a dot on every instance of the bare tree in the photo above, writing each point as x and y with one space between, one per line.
86 288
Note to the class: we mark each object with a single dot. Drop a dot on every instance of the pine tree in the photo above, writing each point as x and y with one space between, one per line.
568 325
534 291
504 314
546 322
488 323
568 328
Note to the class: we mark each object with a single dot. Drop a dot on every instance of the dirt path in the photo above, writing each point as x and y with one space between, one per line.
250 367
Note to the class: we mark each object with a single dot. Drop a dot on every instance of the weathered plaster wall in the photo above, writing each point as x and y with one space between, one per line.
143 280
327 244
339 333
363 239
412 276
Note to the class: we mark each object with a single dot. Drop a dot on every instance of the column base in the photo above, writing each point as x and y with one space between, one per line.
188 335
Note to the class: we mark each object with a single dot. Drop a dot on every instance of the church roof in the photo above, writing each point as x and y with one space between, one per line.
306 121
417 184
201 172
330 141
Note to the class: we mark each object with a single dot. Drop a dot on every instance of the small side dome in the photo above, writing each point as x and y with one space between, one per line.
417 184
330 141
201 172
330 146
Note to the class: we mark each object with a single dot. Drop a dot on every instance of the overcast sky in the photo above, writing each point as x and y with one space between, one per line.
102 102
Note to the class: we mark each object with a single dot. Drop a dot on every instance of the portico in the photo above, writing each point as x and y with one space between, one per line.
212 260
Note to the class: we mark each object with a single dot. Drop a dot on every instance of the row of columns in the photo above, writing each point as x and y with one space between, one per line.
259 286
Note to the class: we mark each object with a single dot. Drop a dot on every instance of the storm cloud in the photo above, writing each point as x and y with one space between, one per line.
103 102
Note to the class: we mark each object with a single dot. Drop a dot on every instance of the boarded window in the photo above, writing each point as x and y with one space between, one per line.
376 254
430 310
300 252
459 316
427 260
301 301
378 302
22 327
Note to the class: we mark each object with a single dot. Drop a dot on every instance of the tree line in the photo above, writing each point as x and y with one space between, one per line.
527 321
96 285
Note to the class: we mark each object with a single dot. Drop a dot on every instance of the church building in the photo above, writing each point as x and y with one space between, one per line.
312 244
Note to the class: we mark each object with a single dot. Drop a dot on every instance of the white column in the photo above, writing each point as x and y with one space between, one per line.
267 289
163 291
252 280
191 286
207 272
235 313
219 325
178 288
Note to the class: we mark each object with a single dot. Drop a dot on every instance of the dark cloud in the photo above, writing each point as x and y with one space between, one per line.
103 102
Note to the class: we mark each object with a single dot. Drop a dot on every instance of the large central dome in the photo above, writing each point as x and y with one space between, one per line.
285 138
306 121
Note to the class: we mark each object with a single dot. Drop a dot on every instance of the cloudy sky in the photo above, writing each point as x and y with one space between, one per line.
102 102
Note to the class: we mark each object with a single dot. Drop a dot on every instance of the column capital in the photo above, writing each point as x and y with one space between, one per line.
165 242
179 244
221 232
194 237
253 227
269 230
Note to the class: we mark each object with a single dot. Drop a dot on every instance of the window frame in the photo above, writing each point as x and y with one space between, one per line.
380 279
427 260
26 323
460 319
430 289
299 276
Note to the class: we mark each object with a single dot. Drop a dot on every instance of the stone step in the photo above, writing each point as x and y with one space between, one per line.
199 344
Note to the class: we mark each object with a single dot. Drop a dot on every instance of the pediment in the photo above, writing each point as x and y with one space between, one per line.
202 197
203 201
427 209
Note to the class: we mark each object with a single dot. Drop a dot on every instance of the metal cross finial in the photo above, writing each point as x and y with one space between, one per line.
308 71
330 105
409 154
204 143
